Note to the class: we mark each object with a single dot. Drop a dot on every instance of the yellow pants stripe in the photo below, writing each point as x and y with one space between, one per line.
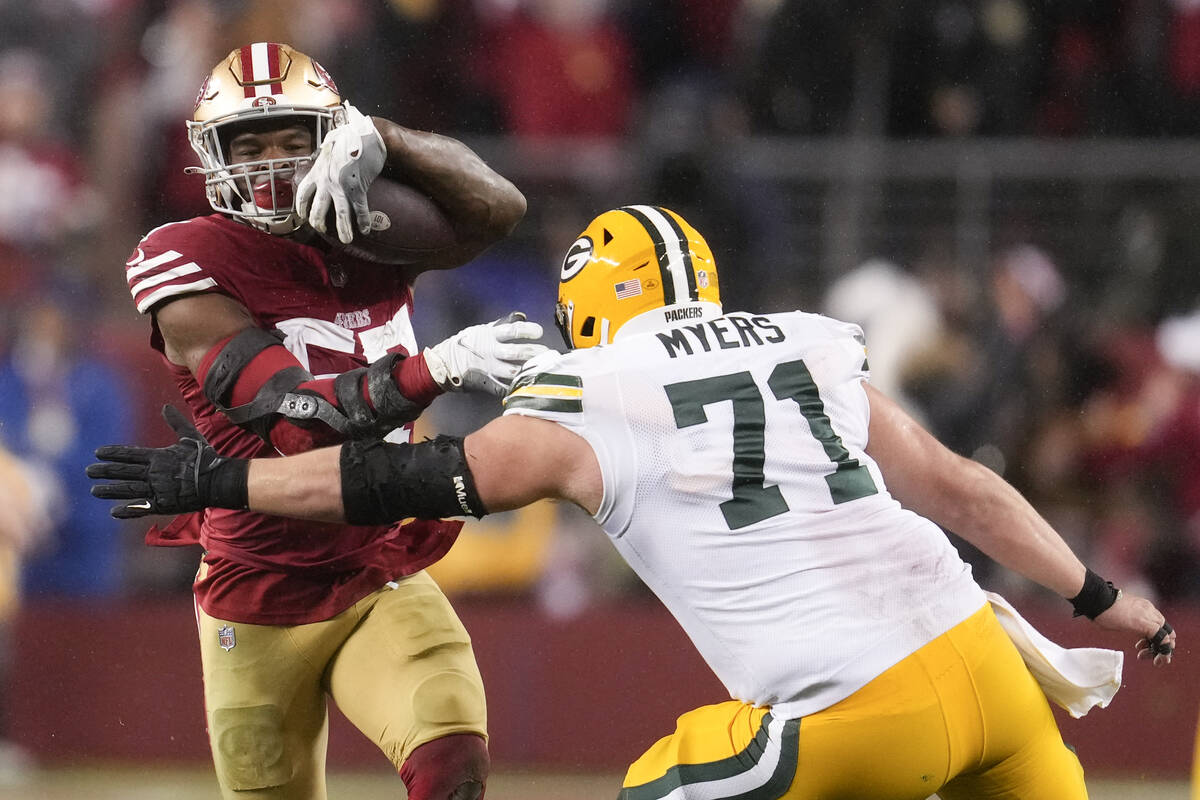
762 770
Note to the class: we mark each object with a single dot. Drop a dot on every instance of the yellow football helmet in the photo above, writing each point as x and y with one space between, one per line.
255 82
633 269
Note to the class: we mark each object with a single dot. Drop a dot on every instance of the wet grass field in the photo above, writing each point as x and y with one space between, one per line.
126 782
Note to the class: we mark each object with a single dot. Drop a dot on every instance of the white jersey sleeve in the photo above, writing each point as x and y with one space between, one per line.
737 485
552 387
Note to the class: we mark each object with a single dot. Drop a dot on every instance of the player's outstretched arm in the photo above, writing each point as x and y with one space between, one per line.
517 460
968 498
511 462
247 373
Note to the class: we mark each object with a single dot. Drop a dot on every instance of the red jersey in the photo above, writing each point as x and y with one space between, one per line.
335 315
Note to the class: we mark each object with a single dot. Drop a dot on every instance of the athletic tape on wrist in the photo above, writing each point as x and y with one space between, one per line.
228 485
1096 596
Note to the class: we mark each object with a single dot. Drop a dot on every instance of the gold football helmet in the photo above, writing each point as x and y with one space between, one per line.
256 82
633 269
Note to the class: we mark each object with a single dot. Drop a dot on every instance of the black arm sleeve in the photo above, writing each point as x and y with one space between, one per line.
384 482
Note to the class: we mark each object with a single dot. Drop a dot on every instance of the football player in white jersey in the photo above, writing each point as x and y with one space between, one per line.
784 511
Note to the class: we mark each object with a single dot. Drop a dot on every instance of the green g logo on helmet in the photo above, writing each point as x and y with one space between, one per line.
628 265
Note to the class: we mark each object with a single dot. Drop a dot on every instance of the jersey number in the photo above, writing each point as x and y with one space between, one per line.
752 500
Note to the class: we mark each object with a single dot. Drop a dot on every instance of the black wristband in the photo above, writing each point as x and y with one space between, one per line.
1096 596
224 483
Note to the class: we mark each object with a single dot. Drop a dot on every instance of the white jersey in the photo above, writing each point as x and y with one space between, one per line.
737 487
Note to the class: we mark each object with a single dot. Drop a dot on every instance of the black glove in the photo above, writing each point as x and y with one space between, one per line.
187 476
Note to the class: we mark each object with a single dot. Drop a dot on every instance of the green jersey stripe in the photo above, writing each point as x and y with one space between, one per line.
536 403
547 379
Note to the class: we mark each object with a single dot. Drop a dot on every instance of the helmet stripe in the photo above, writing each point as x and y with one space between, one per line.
660 251
674 258
689 268
273 68
247 58
261 63
262 67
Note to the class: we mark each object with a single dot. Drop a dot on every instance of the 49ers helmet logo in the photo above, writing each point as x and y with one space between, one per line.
577 257
204 93
324 77
265 100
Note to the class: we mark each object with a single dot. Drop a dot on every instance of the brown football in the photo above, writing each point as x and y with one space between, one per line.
407 227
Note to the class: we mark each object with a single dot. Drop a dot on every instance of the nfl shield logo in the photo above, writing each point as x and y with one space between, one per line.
226 637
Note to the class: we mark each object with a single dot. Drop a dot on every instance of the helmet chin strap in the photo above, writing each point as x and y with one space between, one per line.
278 225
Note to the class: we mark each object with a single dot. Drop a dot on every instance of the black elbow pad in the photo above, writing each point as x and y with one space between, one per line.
384 482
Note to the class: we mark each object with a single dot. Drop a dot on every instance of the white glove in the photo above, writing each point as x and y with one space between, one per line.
351 156
485 358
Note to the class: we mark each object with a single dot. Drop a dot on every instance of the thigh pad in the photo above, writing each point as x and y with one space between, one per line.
249 748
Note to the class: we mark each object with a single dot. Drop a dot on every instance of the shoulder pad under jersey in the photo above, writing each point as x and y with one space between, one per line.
169 261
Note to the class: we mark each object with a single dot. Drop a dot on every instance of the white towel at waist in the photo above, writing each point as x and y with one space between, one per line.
1075 678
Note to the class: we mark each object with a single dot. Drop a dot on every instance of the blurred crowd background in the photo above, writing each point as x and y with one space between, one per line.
1004 193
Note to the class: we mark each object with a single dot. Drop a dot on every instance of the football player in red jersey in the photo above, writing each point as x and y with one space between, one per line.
280 342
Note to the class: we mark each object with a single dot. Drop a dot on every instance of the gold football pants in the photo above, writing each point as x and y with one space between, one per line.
398 663
1196 767
962 717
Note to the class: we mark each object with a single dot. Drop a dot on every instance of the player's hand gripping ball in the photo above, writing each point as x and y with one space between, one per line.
346 200
406 227
351 156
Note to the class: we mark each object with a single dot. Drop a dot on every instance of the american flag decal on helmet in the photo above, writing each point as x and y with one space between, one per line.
629 288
